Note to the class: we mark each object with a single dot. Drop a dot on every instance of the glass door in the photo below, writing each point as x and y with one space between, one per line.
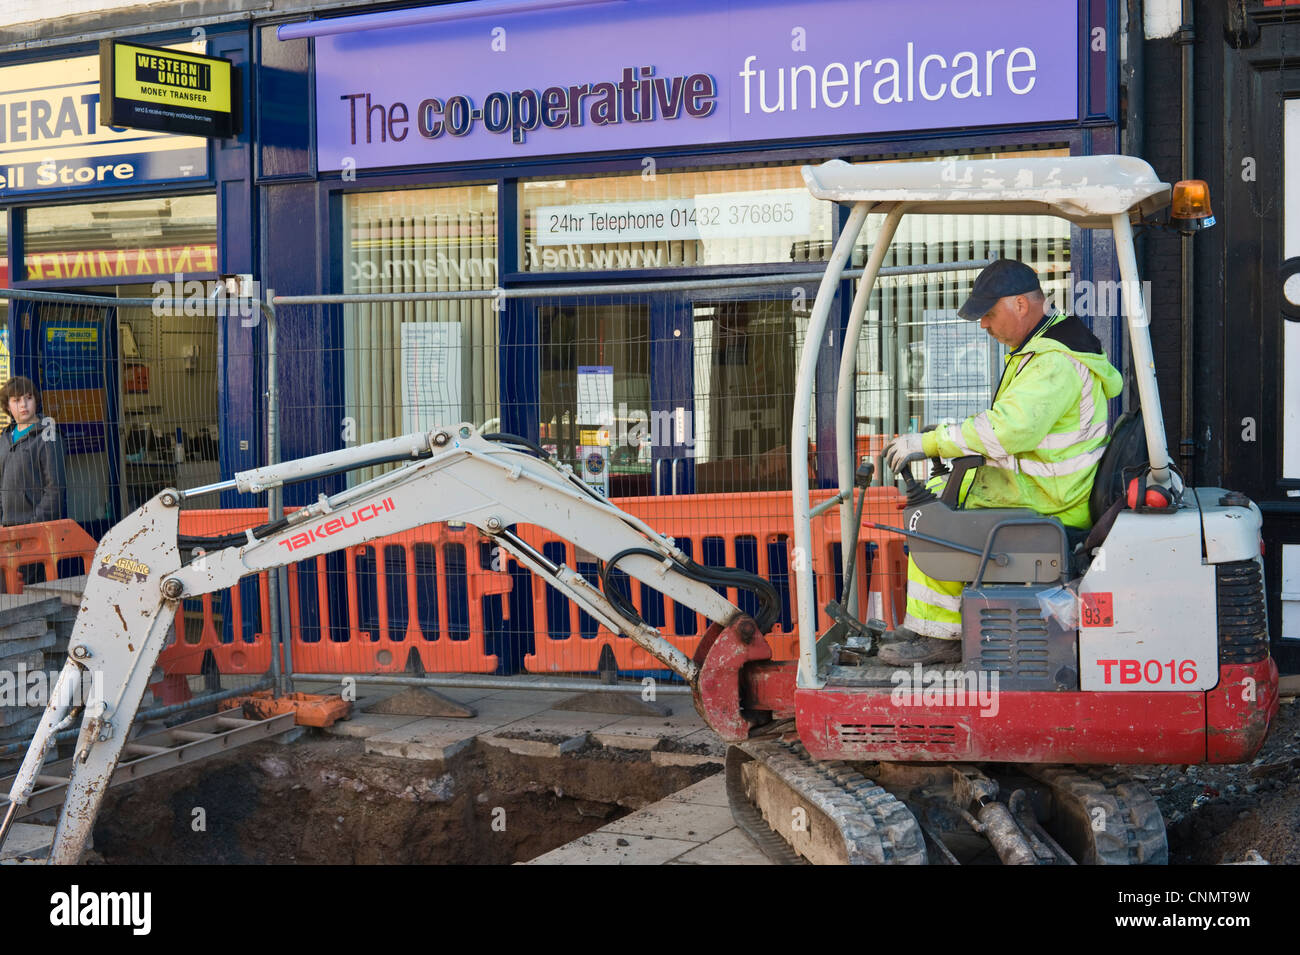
595 408
745 353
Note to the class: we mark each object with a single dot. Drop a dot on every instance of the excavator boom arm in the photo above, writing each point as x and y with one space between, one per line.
138 577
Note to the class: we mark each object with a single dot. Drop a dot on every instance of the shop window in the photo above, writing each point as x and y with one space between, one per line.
919 363
746 354
409 366
620 222
595 405
168 388
120 241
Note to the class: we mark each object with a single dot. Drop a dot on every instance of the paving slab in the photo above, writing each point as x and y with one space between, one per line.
708 792
733 847
363 725
692 822
623 741
28 841
429 738
693 826
660 727
534 747
503 709
547 698
612 848
435 747
561 723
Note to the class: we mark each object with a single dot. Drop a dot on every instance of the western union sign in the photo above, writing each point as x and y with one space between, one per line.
148 87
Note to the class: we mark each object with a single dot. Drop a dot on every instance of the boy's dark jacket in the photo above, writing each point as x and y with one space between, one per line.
31 477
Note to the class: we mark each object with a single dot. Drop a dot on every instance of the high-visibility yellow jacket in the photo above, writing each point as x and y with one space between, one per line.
1047 430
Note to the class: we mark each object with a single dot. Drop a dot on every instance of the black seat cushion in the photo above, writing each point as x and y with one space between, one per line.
1127 450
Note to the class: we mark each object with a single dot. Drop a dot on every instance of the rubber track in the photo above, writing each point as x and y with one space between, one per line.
876 828
1133 832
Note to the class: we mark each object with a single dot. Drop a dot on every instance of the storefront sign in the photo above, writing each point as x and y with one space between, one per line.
660 73
51 137
729 215
149 87
120 263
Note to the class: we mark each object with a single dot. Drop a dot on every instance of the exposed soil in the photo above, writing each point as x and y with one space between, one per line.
1216 814
324 800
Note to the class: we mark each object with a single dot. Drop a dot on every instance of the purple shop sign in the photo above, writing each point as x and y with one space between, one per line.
643 74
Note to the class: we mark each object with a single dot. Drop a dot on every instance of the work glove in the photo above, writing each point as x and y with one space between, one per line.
897 450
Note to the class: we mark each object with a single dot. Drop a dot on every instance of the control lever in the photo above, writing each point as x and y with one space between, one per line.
937 467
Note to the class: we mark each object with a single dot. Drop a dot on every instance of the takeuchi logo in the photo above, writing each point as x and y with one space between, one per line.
333 525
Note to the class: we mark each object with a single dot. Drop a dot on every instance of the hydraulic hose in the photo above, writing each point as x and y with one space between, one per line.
768 598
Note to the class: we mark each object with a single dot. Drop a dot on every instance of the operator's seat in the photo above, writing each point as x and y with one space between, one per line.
1127 450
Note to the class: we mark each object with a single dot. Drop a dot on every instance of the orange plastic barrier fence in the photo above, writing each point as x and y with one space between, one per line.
422 590
45 545
366 608
754 531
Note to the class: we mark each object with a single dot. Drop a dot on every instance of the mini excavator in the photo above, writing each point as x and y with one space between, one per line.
1145 643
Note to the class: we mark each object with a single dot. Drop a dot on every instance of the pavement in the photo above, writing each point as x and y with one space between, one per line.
691 827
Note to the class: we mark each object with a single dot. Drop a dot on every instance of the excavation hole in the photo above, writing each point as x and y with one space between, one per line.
324 800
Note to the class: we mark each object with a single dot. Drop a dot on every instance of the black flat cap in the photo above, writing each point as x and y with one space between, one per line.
998 280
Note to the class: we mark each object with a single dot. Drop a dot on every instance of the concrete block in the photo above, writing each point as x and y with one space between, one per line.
69 590
22 664
23 630
15 608
14 647
11 716
21 731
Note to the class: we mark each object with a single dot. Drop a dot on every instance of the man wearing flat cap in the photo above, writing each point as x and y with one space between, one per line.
1042 440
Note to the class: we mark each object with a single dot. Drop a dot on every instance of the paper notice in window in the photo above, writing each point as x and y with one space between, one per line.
431 375
596 395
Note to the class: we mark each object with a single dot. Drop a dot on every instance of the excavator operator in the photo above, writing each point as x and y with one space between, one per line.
1042 440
